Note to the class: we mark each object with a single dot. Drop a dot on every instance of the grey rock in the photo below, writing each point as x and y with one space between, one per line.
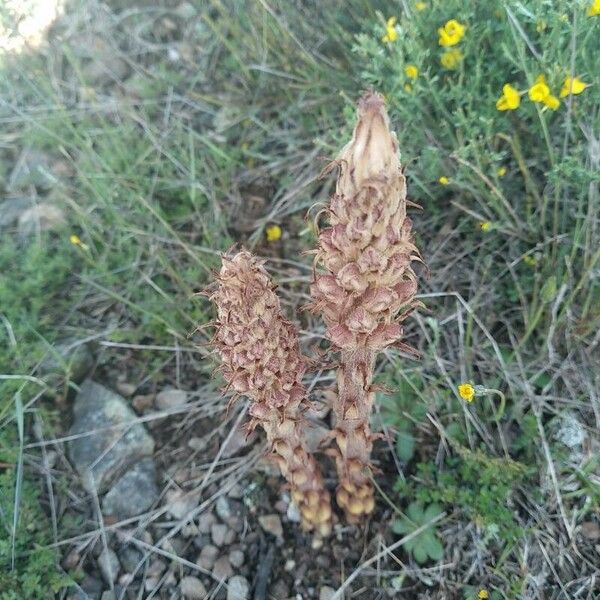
181 503
293 513
109 566
236 558
11 210
326 593
192 588
41 217
205 521
236 492
222 508
134 493
117 442
130 557
186 11
168 399
238 588
218 533
207 557
67 356
222 569
91 586
271 524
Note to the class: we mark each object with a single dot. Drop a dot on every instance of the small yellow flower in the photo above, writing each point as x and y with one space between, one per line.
273 233
419 6
552 102
408 88
530 260
411 71
540 26
451 59
483 594
391 35
76 241
444 180
539 90
572 85
485 226
594 9
451 33
510 99
466 391
564 18
501 172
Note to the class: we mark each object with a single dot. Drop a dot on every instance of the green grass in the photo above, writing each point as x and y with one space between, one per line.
267 99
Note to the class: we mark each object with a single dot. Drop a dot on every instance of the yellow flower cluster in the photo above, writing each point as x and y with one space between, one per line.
594 9
539 92
391 35
450 35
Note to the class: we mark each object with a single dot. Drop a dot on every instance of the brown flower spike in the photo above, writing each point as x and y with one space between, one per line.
368 289
261 359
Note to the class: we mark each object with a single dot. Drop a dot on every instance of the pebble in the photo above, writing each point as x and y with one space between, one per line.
271 524
207 557
108 564
236 492
236 558
280 590
218 533
326 593
205 521
125 388
238 588
222 569
180 503
193 588
222 508
130 557
293 514
169 399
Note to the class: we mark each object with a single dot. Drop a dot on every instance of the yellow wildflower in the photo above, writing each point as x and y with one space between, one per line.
530 260
539 90
408 88
572 85
411 71
501 172
594 9
273 233
552 102
76 241
466 391
540 26
419 6
451 33
391 35
451 59
485 226
483 594
510 99
444 180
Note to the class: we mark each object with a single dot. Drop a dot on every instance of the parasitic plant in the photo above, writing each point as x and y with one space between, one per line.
261 359
368 287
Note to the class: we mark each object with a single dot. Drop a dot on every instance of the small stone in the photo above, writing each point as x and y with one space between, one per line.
280 590
41 217
193 588
271 524
206 521
591 530
130 557
91 586
118 440
222 569
134 493
170 399
70 561
196 443
157 568
180 503
326 593
151 583
185 11
281 506
238 588
143 402
289 565
222 508
109 566
229 537
125 388
207 557
293 514
189 530
236 558
69 358
236 492
218 533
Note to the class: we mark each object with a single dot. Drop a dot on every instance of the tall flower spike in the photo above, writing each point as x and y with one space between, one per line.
368 288
261 359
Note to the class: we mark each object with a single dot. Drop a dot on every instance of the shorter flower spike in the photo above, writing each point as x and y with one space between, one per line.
261 359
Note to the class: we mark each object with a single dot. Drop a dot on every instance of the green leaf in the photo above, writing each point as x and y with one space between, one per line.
405 445
432 511
400 527
415 512
433 547
420 554
549 289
